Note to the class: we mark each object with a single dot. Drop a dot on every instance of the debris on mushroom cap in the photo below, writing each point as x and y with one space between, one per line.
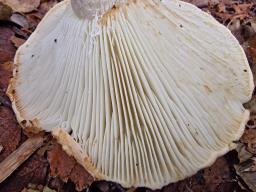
147 94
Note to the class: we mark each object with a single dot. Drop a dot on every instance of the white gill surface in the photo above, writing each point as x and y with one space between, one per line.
152 96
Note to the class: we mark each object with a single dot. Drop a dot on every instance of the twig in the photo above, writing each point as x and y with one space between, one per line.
13 161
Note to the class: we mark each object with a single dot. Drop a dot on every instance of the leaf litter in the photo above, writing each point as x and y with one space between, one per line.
22 6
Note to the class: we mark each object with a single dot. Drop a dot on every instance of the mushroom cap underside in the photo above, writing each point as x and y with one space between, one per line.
146 95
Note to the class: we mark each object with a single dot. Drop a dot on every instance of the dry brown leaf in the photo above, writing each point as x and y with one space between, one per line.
250 50
22 6
250 47
7 50
242 8
227 11
17 41
67 168
80 177
5 11
248 177
34 170
247 150
60 164
47 5
243 154
221 7
217 178
249 138
223 16
33 19
241 16
10 132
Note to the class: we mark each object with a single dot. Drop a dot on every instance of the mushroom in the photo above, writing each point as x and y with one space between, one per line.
140 92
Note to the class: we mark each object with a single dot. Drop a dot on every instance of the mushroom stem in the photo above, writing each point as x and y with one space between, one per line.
88 9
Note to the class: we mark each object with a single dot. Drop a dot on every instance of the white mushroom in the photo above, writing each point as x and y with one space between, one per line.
142 92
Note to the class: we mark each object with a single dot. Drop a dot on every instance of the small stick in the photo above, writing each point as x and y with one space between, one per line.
1 148
13 161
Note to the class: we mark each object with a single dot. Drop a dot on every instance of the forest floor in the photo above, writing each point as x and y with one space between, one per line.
50 169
